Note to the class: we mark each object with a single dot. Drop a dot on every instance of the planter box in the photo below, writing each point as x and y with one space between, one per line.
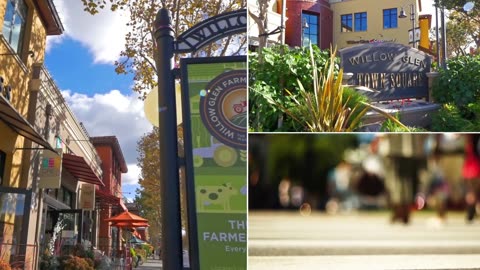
417 113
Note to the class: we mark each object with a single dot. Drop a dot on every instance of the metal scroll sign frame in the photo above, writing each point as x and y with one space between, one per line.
192 40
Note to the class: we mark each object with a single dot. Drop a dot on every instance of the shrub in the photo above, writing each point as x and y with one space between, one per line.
449 118
71 262
280 68
459 84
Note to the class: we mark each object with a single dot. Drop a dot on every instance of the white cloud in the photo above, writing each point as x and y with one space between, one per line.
131 178
103 34
113 114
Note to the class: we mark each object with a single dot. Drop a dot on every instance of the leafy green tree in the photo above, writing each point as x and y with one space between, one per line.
147 197
467 22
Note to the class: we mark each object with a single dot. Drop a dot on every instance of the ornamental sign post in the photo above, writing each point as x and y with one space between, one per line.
214 110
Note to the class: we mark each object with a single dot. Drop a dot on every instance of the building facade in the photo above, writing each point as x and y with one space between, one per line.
109 197
309 22
49 167
26 24
366 21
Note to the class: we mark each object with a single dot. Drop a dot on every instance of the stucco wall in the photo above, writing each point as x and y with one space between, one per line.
375 31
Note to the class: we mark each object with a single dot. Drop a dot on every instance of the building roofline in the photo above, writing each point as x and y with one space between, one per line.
113 142
49 15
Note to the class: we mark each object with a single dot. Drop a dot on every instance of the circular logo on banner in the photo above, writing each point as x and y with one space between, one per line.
223 108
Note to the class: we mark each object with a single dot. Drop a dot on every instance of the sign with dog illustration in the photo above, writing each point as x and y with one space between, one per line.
214 99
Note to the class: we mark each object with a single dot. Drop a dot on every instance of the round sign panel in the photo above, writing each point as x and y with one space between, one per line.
223 108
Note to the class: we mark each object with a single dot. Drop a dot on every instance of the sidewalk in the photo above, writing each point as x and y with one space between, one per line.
150 264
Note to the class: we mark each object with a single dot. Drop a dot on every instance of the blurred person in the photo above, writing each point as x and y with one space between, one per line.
371 190
471 174
404 158
339 190
445 168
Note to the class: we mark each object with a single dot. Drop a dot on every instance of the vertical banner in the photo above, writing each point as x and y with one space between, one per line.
87 196
50 169
215 92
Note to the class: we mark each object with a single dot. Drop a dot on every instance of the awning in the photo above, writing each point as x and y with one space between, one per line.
80 169
104 197
13 119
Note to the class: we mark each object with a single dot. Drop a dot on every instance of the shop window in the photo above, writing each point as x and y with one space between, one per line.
14 23
390 18
3 157
360 22
310 29
346 23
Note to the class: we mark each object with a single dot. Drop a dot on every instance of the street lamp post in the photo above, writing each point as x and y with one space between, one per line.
169 176
412 18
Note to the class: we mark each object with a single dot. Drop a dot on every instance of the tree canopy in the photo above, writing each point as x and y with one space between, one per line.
139 55
463 27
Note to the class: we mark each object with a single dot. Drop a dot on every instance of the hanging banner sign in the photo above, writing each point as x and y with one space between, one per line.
87 196
215 100
50 169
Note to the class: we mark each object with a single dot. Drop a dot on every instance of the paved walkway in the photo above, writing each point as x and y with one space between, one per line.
288 240
150 264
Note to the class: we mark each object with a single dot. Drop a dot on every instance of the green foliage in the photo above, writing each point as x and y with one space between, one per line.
280 68
459 84
449 118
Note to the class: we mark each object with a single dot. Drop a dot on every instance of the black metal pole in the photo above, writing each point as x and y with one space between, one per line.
412 17
444 38
437 42
172 257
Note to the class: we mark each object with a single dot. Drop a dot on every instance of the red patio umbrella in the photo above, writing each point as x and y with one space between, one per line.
126 217
128 224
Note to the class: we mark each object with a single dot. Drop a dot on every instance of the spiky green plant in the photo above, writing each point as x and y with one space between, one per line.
324 108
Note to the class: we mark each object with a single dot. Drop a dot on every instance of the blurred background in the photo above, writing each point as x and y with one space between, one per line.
364 201
339 173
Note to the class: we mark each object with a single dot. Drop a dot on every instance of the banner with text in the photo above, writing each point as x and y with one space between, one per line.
217 101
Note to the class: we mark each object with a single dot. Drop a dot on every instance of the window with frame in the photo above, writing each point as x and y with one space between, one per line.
310 33
361 22
14 23
346 23
390 18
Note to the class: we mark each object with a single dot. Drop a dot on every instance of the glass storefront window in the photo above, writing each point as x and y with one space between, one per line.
12 211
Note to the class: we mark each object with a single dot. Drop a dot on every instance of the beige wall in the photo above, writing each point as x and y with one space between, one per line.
374 9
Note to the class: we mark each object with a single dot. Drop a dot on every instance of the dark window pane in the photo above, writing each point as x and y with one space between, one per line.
310 31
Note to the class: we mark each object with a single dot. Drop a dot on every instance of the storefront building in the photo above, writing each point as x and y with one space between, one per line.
26 24
368 21
109 199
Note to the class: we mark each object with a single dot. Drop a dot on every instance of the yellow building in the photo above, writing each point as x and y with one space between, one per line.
365 21
26 25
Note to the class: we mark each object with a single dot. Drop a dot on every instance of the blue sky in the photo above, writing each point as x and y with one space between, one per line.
82 73
81 63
